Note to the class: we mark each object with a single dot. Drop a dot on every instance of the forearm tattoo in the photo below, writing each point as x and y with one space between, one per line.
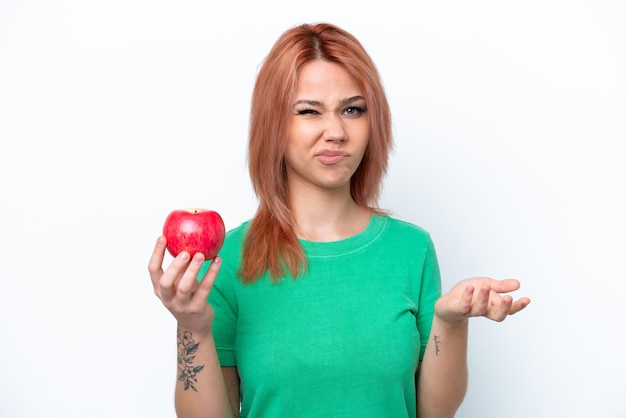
437 341
187 371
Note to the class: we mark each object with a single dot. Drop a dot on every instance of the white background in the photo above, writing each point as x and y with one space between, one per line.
509 119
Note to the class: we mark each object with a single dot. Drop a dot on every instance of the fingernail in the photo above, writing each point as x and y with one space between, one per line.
184 256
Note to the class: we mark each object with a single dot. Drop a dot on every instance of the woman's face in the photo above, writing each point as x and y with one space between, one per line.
328 128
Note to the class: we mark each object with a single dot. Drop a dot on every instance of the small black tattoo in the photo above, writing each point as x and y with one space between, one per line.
187 348
437 341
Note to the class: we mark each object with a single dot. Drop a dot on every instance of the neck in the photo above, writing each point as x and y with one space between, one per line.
329 215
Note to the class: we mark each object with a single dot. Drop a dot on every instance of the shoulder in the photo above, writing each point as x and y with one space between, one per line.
239 232
234 240
399 238
403 228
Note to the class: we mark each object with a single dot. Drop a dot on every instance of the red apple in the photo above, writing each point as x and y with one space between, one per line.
195 231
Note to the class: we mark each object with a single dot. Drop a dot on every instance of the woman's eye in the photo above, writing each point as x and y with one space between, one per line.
307 112
354 110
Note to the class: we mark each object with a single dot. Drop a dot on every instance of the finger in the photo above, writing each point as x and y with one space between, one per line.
156 261
518 305
481 304
208 280
503 309
167 283
465 303
188 282
505 286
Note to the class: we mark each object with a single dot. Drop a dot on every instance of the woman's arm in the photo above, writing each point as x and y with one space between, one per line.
231 378
442 376
201 389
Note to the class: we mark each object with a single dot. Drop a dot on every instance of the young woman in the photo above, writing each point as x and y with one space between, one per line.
324 305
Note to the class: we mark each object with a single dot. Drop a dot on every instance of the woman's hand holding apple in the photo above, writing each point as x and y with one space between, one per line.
179 290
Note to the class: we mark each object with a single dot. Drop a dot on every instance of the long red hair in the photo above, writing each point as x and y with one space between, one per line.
271 244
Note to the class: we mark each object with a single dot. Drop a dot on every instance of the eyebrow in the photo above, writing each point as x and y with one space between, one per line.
344 102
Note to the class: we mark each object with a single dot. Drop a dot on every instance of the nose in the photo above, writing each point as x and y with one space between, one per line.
334 130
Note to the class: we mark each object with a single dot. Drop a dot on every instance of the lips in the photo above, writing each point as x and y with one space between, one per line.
331 157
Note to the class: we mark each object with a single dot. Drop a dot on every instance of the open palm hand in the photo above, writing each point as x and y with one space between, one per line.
480 296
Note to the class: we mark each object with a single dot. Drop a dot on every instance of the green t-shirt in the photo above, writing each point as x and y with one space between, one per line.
342 340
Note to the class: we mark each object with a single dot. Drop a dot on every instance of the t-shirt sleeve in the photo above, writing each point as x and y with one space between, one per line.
430 291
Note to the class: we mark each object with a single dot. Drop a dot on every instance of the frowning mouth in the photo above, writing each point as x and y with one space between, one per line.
331 157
